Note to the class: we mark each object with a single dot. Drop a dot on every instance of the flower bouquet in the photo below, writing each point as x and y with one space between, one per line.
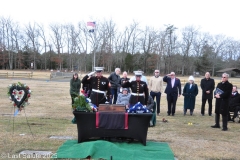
82 103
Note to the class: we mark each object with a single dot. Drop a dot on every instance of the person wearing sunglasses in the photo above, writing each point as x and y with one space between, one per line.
222 93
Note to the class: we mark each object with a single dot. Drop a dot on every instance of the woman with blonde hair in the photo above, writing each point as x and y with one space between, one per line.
190 92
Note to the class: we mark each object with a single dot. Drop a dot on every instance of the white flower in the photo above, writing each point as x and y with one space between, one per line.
10 85
29 91
10 98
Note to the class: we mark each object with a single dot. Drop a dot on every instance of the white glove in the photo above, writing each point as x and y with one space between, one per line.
92 73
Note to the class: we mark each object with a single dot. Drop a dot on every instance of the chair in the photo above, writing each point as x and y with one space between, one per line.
154 114
231 113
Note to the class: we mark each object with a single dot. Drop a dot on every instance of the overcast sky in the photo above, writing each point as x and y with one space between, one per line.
213 16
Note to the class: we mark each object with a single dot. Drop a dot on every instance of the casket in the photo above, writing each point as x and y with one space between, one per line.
111 108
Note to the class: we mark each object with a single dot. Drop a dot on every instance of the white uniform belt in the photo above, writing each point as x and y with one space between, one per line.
137 94
98 91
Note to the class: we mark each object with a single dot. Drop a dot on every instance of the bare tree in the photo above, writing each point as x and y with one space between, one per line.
32 33
149 37
57 39
44 39
188 35
171 46
217 43
7 42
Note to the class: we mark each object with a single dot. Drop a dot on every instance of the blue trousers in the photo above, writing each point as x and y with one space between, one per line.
114 94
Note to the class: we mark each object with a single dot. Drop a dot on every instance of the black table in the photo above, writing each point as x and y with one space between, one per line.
137 127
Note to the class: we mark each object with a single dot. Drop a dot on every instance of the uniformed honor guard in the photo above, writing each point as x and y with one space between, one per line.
139 89
100 92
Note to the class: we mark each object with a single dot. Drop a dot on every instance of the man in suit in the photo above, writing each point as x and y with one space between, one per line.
173 91
207 85
222 102
234 104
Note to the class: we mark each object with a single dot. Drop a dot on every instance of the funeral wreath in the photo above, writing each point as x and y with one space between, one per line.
19 94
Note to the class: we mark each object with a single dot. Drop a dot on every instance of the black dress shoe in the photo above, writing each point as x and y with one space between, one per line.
224 129
215 126
202 114
173 114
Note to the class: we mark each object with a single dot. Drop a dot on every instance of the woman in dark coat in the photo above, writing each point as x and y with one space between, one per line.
190 92
75 85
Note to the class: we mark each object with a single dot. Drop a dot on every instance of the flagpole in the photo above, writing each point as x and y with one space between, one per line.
92 24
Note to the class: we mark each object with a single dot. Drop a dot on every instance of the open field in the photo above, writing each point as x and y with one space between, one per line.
49 113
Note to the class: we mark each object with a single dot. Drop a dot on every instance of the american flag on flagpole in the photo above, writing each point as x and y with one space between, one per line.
92 24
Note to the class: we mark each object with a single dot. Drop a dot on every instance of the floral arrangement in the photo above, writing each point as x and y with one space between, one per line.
82 103
19 94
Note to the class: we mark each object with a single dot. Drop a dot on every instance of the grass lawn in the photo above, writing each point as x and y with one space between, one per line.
49 113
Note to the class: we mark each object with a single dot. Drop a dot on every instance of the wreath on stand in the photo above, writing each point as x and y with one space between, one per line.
19 94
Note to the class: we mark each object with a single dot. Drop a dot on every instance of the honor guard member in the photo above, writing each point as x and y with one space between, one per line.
100 89
139 89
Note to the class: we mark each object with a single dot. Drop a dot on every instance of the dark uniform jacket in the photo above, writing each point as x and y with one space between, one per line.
234 101
207 85
221 105
97 83
176 88
137 87
114 80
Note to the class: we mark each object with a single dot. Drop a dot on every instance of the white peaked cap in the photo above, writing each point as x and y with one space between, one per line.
138 73
99 68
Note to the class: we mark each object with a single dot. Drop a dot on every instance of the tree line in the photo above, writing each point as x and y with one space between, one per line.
73 47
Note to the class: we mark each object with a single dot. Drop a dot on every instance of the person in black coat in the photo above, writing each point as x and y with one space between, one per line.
207 85
114 80
222 93
173 91
234 103
123 80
